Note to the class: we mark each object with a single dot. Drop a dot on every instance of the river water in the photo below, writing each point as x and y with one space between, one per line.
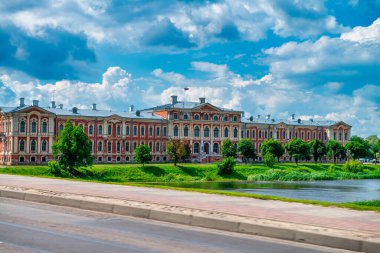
332 191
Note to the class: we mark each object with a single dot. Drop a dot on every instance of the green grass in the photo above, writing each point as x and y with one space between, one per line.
135 174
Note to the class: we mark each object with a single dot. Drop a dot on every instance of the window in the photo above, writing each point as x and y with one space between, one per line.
100 146
334 135
265 135
313 135
186 131
308 135
226 132
34 126
235 132
235 119
134 130
134 146
44 146
302 135
325 136
196 148
118 130
340 136
216 118
271 134
215 148
142 131
319 135
248 133
196 131
225 118
109 146
259 134
109 132
290 135
175 116
157 147
22 145
277 135
90 130
127 132
118 147
22 127
150 131
81 126
157 131
283 135
33 146
253 134
345 136
185 116
164 131
127 146
205 117
206 132
175 130
196 117
296 135
150 146
216 132
242 134
91 146
100 130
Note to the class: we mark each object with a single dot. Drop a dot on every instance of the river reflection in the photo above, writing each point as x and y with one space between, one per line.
332 191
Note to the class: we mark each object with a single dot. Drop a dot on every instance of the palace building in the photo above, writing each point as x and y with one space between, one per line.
27 132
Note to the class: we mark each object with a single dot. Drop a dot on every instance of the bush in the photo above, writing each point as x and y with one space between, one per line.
269 160
226 167
353 166
57 170
331 168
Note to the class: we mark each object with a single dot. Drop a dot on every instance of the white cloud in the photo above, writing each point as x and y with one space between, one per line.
370 34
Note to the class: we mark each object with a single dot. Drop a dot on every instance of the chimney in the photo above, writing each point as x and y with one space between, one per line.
251 118
138 113
299 121
53 104
174 99
202 100
311 120
131 108
94 107
268 116
293 116
22 102
35 102
75 110
60 106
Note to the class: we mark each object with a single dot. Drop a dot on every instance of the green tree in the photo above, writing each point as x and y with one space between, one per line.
179 150
335 150
228 148
358 147
317 149
269 160
73 149
272 147
298 149
143 155
226 167
247 149
374 145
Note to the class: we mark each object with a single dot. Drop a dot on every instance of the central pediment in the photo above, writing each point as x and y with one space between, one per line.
207 107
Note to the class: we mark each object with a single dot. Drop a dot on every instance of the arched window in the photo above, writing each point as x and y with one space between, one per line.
134 146
157 147
91 130
134 130
127 130
142 133
118 147
235 132
22 145
271 134
118 130
283 135
248 133
206 132
253 134
176 130
22 127
34 126
185 116
259 134
186 131
196 131
196 116
109 132
235 118
290 135
157 131
150 131
164 131
215 148
226 132
205 117
266 135
100 146
319 135
44 145
44 127
216 132
127 146
150 146
109 146
196 148
216 118
33 146
225 118
340 135
91 147
100 130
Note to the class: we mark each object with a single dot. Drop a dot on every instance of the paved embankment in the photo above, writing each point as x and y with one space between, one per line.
326 226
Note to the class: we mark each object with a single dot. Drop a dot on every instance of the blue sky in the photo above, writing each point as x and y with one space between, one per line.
317 59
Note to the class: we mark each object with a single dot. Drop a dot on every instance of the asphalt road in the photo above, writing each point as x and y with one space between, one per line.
27 227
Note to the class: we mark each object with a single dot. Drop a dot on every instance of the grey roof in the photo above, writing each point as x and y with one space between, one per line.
185 105
87 112
324 123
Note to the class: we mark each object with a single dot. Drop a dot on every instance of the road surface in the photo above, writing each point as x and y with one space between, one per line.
27 227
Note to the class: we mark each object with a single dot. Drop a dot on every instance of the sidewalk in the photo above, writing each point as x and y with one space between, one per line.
328 226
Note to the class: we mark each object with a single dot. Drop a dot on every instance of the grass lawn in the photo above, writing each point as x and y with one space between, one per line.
135 174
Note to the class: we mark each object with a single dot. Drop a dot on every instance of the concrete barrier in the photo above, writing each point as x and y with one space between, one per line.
37 198
61 201
12 194
131 211
170 217
268 231
206 222
96 206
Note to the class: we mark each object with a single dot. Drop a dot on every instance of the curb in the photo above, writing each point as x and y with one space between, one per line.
233 223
